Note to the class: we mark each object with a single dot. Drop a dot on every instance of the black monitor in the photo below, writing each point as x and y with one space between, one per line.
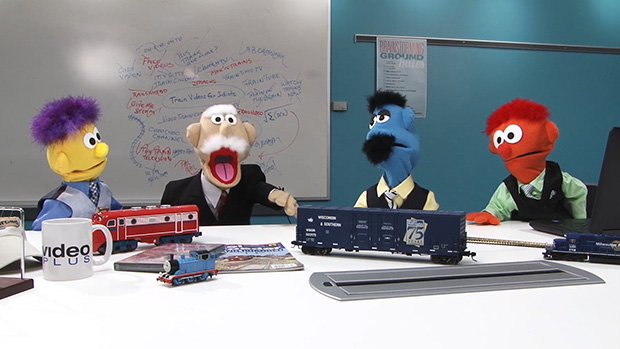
606 210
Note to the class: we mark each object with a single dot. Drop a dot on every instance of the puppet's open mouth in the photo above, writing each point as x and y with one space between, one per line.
102 163
223 165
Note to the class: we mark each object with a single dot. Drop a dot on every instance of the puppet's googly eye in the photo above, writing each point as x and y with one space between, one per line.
372 122
97 134
498 138
217 119
513 133
231 119
381 118
90 140
378 119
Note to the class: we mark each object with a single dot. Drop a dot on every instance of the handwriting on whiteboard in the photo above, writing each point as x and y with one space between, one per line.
171 81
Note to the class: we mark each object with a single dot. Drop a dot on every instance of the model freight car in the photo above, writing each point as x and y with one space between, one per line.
151 224
199 266
440 234
598 248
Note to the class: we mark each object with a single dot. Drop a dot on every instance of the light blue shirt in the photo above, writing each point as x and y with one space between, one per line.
53 208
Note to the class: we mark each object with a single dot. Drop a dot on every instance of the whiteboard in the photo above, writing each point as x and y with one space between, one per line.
154 67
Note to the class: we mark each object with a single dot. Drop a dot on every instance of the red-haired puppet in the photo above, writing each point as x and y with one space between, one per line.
522 135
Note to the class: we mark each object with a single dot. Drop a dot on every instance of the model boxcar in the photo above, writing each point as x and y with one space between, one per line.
440 234
150 224
598 248
199 266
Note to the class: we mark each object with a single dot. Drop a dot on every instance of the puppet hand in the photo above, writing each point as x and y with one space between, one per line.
284 199
483 217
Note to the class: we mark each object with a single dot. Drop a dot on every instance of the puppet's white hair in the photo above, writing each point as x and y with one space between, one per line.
217 141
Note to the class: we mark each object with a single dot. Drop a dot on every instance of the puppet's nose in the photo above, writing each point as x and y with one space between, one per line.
504 151
101 150
225 129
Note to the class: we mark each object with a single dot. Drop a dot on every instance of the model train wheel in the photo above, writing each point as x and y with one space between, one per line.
565 256
178 281
452 260
323 251
101 249
307 250
132 245
203 276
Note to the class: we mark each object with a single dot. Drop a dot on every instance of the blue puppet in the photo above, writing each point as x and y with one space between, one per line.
393 145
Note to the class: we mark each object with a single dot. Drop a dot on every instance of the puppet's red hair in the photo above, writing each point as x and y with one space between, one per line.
520 109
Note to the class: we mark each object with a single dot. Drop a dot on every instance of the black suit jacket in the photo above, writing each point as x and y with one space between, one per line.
251 189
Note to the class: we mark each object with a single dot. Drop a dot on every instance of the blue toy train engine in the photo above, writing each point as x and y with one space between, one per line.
440 234
597 248
199 266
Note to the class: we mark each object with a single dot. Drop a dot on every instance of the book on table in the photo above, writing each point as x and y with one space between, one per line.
231 258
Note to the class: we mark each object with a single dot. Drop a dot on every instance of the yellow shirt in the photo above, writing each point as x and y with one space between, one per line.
403 189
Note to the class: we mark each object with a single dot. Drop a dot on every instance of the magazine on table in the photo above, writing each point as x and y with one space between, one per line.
231 258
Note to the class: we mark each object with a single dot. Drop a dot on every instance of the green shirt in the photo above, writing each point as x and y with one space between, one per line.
502 204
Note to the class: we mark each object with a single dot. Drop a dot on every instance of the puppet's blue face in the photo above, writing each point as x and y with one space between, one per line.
392 142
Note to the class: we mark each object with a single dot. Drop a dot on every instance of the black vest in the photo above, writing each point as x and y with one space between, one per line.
547 207
415 201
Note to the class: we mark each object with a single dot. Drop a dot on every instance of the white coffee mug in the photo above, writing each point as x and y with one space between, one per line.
68 248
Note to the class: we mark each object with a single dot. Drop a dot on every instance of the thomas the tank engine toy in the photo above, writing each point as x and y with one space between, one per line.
199 266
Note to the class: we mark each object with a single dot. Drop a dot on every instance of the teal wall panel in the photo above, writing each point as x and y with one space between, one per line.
582 90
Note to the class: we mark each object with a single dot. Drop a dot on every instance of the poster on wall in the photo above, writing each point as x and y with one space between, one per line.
401 67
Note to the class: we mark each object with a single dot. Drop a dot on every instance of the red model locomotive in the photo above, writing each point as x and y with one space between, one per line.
151 224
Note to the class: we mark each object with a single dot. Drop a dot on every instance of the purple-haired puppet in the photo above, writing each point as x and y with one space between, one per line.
66 127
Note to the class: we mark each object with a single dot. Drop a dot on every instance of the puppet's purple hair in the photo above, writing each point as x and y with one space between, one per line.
61 118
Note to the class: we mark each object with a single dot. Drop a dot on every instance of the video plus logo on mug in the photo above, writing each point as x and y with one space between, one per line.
67 248
72 255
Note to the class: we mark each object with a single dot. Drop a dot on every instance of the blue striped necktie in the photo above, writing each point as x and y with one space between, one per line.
93 192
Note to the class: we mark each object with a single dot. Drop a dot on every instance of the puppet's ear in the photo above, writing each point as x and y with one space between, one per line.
193 134
251 131
552 131
59 163
408 116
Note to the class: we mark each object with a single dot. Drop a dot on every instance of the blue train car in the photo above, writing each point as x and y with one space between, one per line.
440 234
199 266
597 248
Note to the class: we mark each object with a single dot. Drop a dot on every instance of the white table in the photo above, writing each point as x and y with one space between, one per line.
116 309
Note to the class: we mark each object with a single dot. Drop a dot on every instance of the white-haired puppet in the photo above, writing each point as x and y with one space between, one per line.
66 127
225 190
